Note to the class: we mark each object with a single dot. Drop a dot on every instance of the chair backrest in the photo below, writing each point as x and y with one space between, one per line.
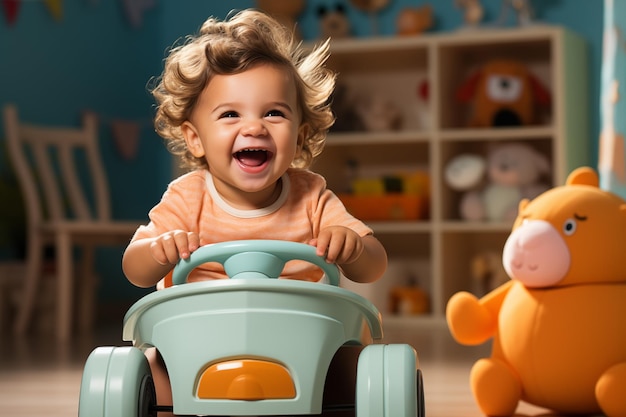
45 161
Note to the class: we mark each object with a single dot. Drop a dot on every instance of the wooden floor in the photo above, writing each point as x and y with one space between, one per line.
39 378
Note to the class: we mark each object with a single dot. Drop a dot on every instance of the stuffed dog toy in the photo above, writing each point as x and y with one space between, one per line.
558 326
503 93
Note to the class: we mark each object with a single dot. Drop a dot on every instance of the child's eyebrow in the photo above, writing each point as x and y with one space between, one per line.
282 104
230 105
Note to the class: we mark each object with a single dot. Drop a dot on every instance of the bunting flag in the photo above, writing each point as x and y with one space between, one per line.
126 135
135 9
11 9
55 8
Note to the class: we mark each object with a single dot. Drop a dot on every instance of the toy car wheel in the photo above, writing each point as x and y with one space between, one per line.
117 382
421 407
388 382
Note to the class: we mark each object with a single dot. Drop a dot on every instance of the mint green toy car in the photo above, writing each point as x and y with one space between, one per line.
252 346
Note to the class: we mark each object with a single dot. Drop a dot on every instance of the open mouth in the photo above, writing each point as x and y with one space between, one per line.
252 158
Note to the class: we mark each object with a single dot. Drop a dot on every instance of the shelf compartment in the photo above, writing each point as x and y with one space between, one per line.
452 198
341 164
462 249
460 61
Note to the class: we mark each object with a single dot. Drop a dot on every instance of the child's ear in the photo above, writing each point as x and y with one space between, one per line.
303 133
192 139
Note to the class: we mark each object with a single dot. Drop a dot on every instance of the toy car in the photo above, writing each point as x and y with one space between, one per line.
253 346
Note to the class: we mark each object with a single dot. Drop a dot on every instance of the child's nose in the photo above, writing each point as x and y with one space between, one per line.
254 127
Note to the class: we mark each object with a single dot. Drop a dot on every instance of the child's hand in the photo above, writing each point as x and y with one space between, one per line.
169 247
338 244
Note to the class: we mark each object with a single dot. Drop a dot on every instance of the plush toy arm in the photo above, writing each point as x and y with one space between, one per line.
472 321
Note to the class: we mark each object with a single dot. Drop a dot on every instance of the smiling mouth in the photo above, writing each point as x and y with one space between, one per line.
252 157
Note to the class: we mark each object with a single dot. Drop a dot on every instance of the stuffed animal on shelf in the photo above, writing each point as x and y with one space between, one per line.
414 20
487 272
333 21
513 171
343 105
558 326
378 113
465 171
503 93
285 11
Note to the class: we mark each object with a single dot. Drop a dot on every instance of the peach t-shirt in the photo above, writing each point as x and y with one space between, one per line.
305 206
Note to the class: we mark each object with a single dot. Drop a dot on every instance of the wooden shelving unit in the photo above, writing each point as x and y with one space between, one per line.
435 253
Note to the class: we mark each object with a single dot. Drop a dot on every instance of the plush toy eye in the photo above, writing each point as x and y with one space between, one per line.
569 227
504 88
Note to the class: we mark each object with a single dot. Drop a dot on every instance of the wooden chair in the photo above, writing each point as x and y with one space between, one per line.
60 214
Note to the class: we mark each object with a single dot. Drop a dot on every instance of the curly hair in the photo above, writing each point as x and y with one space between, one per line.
247 39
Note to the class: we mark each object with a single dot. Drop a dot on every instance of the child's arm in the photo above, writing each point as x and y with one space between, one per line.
362 259
146 261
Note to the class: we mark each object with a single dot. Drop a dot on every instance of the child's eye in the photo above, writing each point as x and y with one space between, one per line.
228 114
275 113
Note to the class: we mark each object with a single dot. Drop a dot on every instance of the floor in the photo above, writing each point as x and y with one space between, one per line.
40 378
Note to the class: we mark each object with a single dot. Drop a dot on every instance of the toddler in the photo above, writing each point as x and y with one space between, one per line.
247 111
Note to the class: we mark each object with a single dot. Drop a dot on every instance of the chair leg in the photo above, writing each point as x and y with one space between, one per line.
64 286
30 285
87 285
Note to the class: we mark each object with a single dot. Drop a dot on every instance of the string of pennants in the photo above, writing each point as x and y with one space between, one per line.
126 133
133 9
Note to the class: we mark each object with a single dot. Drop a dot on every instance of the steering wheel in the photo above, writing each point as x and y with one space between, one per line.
253 259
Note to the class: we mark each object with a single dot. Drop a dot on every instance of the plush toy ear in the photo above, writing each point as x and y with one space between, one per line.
583 176
522 204
466 91
540 93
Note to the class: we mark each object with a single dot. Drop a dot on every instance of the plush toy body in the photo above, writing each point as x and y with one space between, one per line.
513 171
503 93
558 327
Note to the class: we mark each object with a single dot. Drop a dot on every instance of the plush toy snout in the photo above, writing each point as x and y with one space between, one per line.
536 255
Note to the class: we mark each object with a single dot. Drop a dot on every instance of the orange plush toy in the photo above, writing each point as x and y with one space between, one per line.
504 93
559 325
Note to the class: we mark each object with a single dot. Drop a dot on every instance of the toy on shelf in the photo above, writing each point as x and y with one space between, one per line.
473 12
558 328
346 117
504 93
487 272
364 111
285 11
254 345
378 113
414 20
513 171
333 22
372 7
465 171
404 196
408 301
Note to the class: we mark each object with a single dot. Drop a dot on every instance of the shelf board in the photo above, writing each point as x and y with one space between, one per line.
376 138
525 133
475 226
423 136
377 44
421 321
423 226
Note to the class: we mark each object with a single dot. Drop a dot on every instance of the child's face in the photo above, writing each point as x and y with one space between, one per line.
247 127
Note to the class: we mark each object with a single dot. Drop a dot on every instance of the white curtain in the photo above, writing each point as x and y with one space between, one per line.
612 152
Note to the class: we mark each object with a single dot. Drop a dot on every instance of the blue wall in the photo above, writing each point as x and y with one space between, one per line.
94 59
